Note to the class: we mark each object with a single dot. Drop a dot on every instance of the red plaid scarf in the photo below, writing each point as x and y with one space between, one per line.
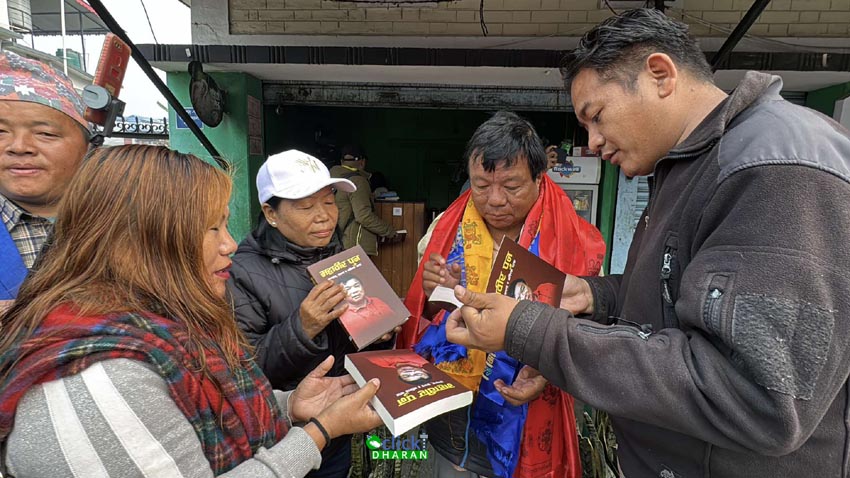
233 410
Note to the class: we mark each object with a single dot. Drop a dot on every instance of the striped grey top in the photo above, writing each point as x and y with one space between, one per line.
117 419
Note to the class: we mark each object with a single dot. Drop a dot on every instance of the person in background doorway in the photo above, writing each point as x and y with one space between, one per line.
551 156
378 183
358 221
43 139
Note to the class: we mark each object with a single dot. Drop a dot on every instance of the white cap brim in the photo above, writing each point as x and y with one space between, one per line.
313 187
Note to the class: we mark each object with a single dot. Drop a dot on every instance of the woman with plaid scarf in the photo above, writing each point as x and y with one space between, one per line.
121 356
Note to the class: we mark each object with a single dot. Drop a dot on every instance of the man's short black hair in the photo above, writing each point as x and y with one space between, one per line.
504 139
347 277
618 47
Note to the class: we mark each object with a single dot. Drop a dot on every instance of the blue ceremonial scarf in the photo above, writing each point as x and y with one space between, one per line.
13 271
496 423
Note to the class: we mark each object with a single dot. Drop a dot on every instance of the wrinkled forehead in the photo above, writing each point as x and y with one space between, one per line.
519 170
320 194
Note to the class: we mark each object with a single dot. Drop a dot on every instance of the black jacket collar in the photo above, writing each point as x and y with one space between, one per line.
749 91
268 241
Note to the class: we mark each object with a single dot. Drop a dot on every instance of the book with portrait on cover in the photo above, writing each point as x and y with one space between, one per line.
373 307
412 390
519 273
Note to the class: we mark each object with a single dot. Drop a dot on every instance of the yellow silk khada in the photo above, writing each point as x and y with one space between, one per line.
478 260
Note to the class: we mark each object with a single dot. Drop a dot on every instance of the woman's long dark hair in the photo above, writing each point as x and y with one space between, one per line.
129 237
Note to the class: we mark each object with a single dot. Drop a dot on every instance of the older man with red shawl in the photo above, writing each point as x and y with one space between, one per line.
527 429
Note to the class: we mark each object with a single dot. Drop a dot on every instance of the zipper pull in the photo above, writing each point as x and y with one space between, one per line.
665 268
643 330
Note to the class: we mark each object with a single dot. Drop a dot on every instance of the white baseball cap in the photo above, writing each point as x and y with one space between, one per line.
295 175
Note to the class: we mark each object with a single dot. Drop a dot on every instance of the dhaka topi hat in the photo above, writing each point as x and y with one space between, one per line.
23 79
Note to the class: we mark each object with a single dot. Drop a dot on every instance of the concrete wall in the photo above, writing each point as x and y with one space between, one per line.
522 18
231 140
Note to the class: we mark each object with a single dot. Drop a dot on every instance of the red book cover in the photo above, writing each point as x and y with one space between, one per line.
412 390
373 307
520 274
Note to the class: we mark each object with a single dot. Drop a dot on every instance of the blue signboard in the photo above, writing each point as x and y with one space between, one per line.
182 124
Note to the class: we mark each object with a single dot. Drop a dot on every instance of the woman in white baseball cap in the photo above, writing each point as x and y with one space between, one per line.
290 321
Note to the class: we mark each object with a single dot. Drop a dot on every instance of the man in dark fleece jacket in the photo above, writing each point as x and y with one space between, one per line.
724 348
